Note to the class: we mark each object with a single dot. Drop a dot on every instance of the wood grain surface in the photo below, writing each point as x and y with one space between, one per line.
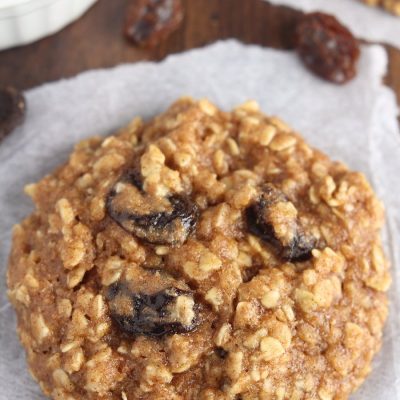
96 40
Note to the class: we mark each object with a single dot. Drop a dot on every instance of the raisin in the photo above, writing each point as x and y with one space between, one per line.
327 47
166 312
157 220
12 110
274 219
149 22
221 352
299 249
249 273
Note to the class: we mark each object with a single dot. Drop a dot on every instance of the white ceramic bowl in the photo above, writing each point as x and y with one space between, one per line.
24 21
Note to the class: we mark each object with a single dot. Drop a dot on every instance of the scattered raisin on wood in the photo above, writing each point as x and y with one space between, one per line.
149 22
327 47
12 110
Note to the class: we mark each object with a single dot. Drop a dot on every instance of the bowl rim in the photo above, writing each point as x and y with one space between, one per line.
25 7
13 4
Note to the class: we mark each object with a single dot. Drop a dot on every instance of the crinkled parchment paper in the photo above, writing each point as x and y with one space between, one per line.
355 123
369 23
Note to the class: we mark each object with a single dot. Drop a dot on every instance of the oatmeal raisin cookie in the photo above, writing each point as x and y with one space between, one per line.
202 255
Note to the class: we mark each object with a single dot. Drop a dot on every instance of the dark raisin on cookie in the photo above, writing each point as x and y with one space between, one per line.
221 352
274 219
157 220
166 312
12 110
327 47
149 22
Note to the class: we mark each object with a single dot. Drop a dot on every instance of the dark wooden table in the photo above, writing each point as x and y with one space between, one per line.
96 41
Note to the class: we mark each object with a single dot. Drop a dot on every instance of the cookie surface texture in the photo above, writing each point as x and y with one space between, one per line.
393 6
202 255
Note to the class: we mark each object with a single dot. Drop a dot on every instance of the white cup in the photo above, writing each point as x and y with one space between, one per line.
24 21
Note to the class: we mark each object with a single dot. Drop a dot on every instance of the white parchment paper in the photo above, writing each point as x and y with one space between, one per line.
355 123
369 23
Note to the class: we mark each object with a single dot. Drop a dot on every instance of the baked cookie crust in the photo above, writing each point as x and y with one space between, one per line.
393 6
202 255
